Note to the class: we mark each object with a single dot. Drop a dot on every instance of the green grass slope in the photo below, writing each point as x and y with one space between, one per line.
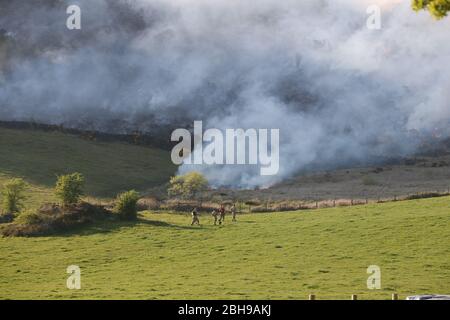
108 167
262 256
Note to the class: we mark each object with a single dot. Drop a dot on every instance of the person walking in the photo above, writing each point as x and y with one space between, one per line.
215 215
195 219
233 212
222 214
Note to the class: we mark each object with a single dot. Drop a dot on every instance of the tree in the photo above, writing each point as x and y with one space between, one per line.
126 205
12 194
188 185
69 188
438 8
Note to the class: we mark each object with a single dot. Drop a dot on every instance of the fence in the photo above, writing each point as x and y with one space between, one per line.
261 206
342 202
394 296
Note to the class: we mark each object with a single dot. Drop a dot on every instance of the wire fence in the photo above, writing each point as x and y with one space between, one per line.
261 206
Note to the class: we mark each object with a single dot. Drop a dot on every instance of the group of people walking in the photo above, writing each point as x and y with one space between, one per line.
218 215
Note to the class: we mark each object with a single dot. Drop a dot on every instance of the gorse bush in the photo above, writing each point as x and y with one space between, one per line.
12 195
188 185
69 188
126 205
28 218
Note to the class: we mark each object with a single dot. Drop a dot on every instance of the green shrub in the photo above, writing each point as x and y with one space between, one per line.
188 185
126 205
29 217
69 188
12 195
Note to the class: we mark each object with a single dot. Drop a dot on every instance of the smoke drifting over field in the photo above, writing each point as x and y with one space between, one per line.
338 91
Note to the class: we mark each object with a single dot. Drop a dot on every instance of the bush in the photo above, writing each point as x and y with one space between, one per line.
52 218
13 196
188 185
69 188
29 217
126 205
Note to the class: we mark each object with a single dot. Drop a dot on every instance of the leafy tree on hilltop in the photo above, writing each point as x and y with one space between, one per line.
438 8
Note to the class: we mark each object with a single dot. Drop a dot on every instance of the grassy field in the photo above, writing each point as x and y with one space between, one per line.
108 167
262 256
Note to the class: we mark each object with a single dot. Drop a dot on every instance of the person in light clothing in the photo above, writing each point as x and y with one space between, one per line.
215 215
195 219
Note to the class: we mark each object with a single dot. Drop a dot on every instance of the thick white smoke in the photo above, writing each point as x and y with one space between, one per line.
337 91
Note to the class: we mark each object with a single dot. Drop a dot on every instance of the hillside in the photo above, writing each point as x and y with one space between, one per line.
404 177
109 167
281 255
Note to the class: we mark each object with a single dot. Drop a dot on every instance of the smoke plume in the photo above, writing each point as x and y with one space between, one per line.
338 92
